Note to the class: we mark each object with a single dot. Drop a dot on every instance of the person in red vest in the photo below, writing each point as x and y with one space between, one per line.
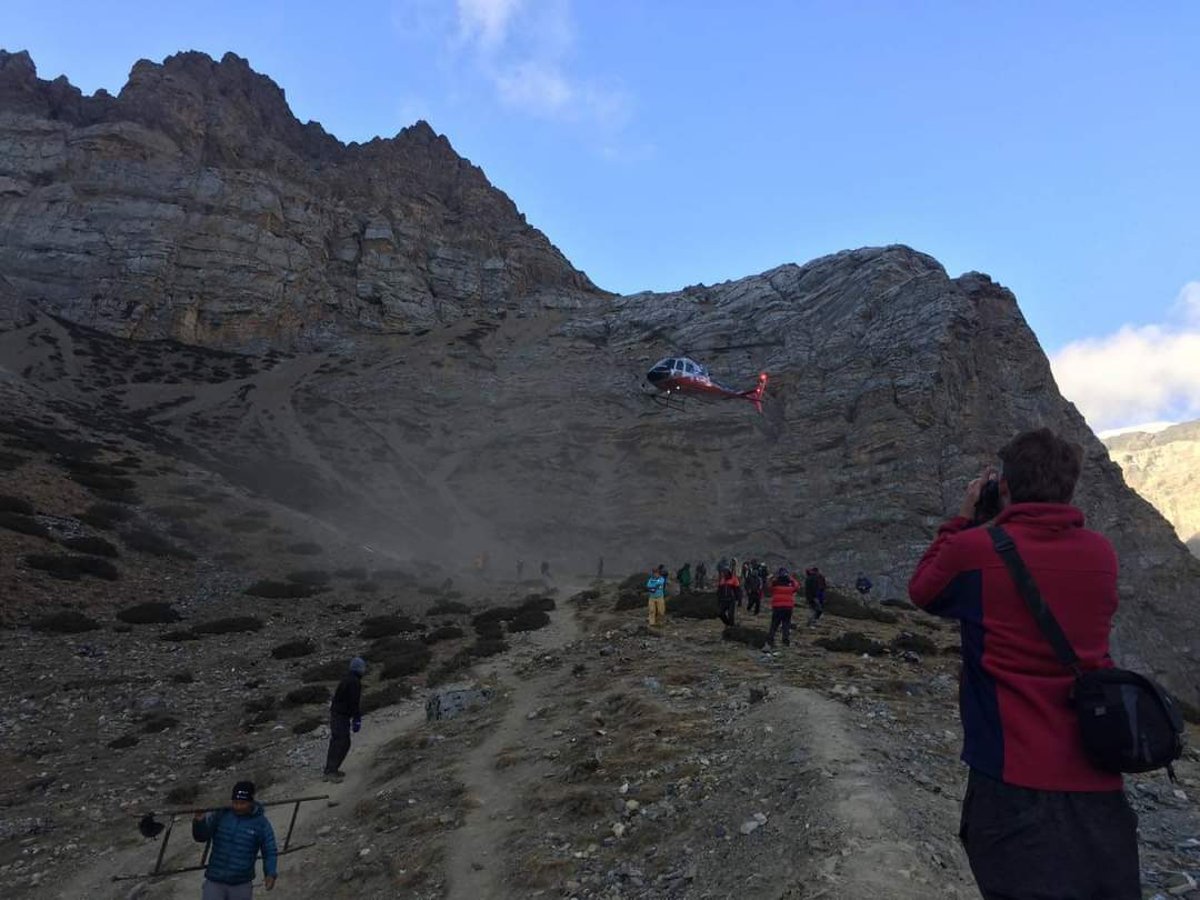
783 601
1039 819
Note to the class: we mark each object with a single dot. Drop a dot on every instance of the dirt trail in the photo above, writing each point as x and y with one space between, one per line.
875 861
475 865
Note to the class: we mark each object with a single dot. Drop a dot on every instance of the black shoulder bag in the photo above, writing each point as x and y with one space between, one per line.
1129 722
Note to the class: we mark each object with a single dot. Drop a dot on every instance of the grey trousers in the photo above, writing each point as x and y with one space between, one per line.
214 890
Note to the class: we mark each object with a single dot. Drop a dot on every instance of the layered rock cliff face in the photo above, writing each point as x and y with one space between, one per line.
195 206
1165 469
517 422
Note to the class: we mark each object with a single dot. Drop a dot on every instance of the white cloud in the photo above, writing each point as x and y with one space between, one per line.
486 21
536 87
525 49
1139 374
1187 304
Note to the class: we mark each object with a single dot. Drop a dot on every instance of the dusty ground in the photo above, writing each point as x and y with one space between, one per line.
611 762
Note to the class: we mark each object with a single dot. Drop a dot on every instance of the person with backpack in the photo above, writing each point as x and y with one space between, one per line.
754 589
1040 818
238 833
656 585
701 576
727 596
783 602
814 593
684 577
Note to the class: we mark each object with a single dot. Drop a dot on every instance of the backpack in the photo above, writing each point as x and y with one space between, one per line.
1129 723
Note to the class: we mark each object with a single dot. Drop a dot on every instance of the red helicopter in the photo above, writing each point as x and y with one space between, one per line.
678 375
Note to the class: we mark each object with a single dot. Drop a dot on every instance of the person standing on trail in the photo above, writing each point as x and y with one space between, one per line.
684 577
783 601
753 586
345 716
238 833
727 596
657 603
814 593
520 568
701 576
545 569
1039 818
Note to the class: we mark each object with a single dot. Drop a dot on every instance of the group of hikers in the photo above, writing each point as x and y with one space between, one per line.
748 582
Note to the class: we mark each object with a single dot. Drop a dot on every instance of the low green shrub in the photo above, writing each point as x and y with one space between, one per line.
310 577
294 649
281 590
388 695
529 620
230 625
9 503
72 568
66 622
443 633
448 608
852 642
146 541
327 671
149 614
92 545
307 695
23 524
387 626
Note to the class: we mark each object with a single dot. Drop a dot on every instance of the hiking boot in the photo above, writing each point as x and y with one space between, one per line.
335 777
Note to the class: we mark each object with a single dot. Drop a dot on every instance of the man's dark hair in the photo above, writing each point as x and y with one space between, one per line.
1041 467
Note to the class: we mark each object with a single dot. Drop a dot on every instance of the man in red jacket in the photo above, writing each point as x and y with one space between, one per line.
1038 819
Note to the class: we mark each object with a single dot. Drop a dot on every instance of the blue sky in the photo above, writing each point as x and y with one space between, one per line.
658 144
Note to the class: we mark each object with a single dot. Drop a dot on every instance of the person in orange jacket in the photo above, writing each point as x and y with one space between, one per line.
783 602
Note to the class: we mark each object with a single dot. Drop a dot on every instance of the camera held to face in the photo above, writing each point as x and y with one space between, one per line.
988 505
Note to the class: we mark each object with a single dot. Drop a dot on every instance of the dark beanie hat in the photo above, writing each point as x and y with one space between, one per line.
243 790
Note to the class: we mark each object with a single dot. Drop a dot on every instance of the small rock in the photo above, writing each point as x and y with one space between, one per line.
652 684
618 829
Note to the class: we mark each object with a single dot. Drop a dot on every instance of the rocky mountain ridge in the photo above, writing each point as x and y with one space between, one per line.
200 209
1164 467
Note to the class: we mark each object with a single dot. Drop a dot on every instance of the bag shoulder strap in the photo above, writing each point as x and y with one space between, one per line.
1028 589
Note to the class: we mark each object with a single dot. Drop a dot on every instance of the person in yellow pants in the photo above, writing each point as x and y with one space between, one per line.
657 586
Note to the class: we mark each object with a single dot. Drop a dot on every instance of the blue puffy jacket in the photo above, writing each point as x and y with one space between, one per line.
236 842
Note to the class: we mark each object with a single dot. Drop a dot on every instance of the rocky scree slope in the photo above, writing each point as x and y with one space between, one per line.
1165 469
193 205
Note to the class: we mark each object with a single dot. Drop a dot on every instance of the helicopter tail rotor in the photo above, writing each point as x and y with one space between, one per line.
755 396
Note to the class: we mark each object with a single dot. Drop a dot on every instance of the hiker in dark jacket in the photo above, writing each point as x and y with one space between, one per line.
238 834
753 586
863 585
814 593
345 715
701 576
